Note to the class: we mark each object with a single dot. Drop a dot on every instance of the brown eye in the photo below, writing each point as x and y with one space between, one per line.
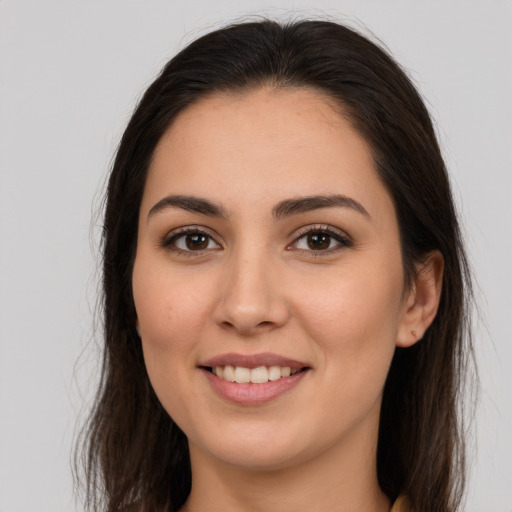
318 241
196 242
191 241
321 240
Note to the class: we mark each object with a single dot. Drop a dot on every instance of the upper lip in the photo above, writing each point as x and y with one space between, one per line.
253 361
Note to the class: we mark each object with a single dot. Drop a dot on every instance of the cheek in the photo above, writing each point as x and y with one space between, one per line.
353 318
170 313
353 321
171 310
169 305
353 302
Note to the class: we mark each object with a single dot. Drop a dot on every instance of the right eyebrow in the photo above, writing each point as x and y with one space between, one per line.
189 203
298 205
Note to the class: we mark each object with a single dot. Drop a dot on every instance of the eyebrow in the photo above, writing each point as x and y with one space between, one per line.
306 204
284 209
189 203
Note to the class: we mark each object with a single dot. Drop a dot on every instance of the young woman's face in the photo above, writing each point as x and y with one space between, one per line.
267 242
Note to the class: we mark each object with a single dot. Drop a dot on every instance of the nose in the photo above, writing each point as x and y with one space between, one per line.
251 299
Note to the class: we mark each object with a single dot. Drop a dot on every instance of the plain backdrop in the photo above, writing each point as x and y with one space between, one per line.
70 75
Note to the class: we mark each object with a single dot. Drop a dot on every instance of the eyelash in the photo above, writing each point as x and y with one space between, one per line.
338 236
170 240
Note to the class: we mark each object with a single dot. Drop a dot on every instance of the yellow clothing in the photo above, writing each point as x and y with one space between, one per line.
401 504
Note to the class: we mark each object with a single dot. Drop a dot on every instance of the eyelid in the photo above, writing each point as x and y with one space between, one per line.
339 235
175 234
343 239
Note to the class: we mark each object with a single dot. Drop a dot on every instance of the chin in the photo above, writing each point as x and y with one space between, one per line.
263 451
256 459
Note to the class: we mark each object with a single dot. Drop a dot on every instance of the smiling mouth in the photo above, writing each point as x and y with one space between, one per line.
259 375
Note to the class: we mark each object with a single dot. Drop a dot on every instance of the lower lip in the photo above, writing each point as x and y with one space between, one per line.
253 394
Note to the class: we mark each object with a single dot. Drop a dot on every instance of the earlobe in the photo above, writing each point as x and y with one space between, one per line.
422 302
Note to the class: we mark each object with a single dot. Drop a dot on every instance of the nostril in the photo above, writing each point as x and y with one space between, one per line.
264 324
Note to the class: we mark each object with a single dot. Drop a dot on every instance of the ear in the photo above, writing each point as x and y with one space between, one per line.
422 300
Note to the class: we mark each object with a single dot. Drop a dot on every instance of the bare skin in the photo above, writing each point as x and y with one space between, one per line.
232 260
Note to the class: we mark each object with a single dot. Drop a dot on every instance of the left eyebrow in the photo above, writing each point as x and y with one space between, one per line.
306 204
189 203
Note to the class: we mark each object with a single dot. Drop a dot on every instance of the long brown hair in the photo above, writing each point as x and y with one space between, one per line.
132 449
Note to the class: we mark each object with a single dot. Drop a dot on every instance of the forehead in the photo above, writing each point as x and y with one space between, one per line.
301 119
264 145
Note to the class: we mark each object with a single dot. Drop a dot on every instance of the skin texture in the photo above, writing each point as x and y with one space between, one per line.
257 286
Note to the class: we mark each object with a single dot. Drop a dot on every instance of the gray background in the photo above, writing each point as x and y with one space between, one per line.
70 74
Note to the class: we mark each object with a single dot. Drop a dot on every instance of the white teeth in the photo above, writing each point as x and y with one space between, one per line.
258 375
229 373
274 373
242 375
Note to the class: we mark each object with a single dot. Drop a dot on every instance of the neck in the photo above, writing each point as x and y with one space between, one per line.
342 479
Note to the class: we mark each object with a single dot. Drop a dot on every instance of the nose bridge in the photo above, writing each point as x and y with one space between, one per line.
251 298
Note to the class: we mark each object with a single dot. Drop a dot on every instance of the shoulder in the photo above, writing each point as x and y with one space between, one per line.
402 504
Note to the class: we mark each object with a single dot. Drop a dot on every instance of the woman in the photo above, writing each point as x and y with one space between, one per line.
285 287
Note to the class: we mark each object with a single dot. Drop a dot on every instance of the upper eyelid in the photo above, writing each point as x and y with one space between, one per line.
297 234
342 237
185 230
327 228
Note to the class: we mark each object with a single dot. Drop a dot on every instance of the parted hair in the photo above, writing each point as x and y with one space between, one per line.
135 456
